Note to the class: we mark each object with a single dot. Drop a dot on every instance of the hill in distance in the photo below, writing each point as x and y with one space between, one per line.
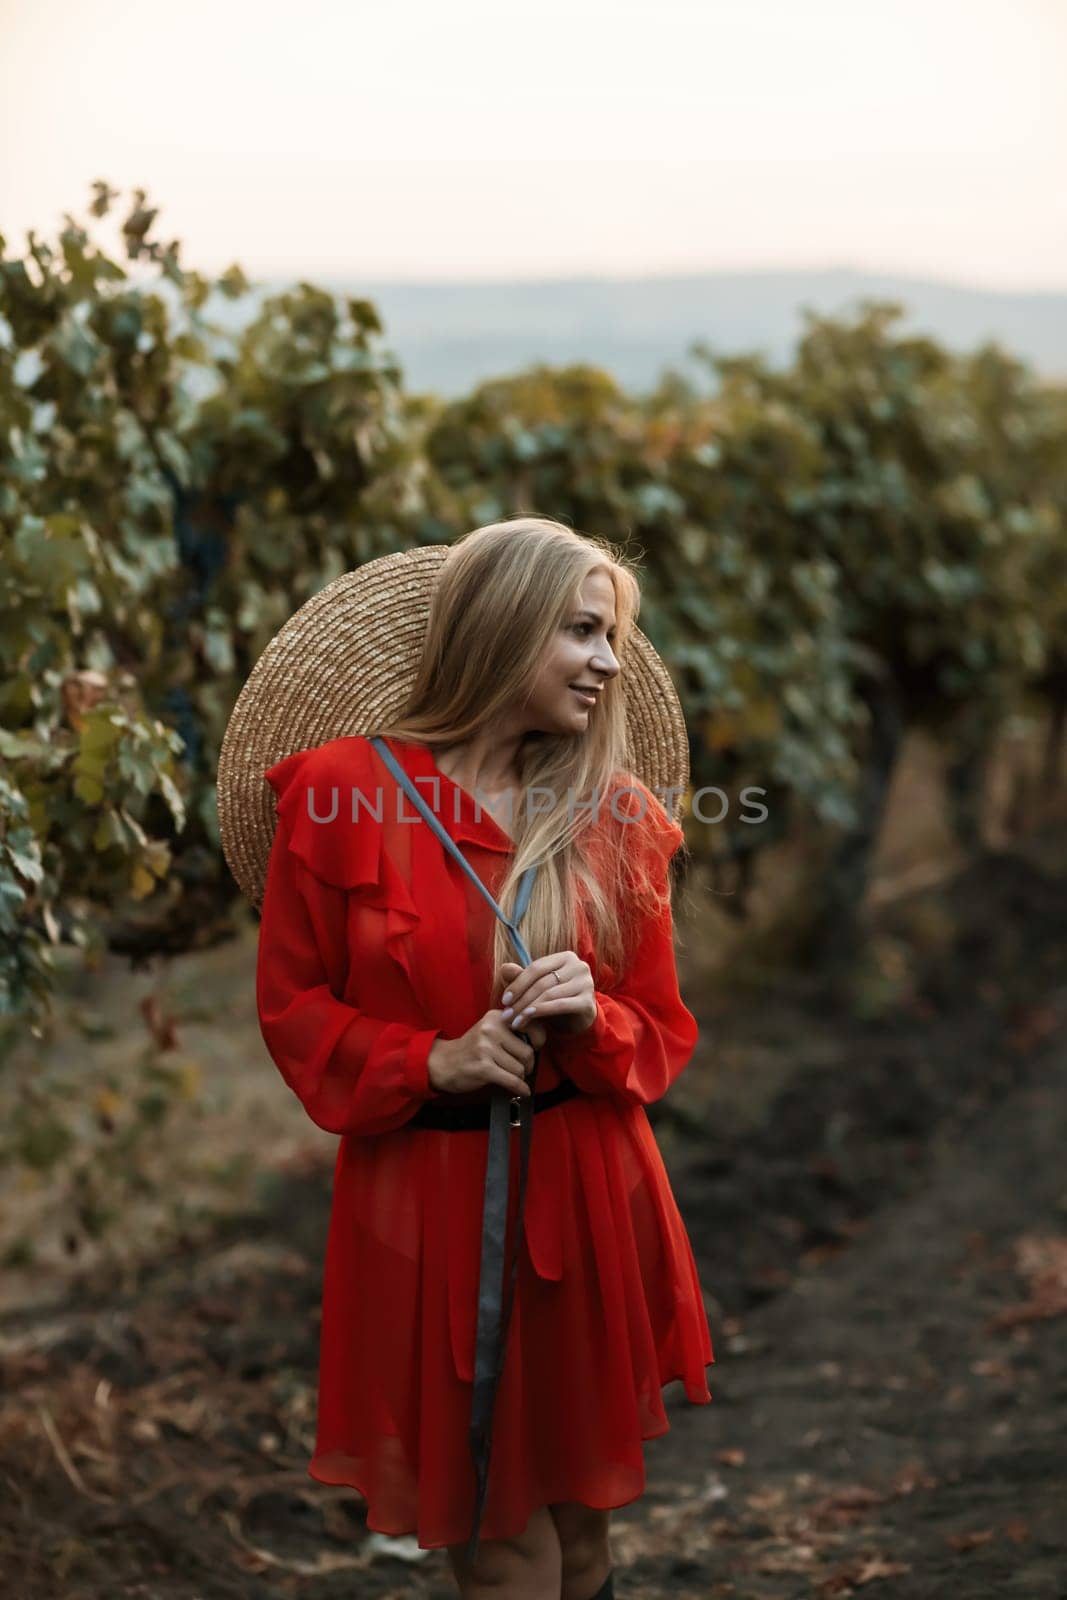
449 336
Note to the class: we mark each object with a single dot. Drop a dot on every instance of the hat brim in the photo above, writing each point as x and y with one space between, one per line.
344 664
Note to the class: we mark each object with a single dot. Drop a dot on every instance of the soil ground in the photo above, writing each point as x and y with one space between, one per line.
882 1237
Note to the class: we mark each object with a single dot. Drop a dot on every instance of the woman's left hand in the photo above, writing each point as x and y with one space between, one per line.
554 988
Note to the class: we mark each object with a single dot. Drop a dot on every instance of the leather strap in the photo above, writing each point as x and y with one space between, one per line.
506 1112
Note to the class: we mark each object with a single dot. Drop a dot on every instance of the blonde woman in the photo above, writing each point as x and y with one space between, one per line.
392 1003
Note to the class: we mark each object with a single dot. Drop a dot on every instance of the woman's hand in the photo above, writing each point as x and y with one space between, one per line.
555 988
488 1053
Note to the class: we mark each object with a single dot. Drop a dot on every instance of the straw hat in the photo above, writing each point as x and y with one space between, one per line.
344 664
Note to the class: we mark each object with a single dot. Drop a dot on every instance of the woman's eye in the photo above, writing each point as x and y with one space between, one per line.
586 627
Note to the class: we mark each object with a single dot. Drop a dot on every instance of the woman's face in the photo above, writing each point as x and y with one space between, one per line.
580 653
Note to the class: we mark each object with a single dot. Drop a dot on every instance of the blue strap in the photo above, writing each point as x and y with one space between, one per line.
494 1318
526 882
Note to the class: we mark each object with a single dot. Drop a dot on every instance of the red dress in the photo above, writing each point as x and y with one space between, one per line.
372 944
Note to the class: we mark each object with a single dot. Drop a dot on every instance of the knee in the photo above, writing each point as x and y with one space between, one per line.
584 1577
585 1549
584 1553
523 1568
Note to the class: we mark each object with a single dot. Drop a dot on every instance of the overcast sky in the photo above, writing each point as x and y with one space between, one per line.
481 139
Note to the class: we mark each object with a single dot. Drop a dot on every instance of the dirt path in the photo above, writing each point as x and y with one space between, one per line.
875 1425
883 1247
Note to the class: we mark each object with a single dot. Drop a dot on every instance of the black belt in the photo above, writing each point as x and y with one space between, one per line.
477 1115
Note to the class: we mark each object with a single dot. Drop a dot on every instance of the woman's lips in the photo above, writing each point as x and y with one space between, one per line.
586 699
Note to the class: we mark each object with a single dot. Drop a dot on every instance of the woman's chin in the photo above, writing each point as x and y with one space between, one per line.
570 721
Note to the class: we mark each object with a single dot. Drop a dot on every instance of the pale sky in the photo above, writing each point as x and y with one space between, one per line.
480 139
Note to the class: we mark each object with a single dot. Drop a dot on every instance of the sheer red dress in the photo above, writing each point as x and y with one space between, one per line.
373 942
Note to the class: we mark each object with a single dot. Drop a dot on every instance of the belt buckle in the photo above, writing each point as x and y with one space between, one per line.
514 1111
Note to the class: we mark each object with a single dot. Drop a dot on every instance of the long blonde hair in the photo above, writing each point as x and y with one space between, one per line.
501 593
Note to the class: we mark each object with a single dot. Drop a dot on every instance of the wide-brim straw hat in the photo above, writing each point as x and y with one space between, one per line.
345 663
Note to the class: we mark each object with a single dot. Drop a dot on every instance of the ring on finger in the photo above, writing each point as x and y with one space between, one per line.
529 1010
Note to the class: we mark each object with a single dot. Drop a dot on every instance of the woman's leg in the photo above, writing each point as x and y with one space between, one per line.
528 1567
585 1548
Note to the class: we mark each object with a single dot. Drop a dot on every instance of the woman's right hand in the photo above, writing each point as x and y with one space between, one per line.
491 1052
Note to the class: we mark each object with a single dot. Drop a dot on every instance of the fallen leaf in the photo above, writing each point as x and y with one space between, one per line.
1042 1262
970 1541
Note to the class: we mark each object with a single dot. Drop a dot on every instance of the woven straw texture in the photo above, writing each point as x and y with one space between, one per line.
344 663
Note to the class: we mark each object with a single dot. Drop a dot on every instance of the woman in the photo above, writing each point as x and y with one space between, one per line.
386 984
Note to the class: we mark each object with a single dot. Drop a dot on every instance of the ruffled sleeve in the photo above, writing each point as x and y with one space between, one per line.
329 802
643 1035
353 1073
